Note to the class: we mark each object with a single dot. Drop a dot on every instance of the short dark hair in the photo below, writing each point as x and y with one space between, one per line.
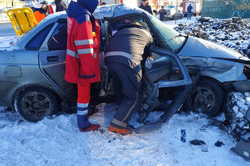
44 2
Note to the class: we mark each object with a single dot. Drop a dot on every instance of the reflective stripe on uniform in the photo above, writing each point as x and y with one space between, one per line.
119 123
118 53
146 32
85 51
71 53
82 105
83 42
85 112
131 108
82 109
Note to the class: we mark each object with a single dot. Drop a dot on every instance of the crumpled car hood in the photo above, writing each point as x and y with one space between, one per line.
196 47
213 60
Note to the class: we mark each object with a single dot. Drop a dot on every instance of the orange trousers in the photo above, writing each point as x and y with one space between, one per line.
83 93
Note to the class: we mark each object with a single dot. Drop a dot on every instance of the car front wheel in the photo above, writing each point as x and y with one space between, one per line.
208 98
34 104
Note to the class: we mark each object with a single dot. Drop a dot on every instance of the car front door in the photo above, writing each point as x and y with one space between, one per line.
163 62
166 43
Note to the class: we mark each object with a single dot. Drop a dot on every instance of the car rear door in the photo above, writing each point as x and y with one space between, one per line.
52 56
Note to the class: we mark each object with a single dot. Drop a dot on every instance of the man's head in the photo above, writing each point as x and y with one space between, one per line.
103 3
44 6
78 9
145 2
44 3
90 5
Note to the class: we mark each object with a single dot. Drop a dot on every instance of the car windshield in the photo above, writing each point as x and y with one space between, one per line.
172 39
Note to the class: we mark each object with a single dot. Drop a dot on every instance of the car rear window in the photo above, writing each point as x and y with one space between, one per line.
36 42
58 40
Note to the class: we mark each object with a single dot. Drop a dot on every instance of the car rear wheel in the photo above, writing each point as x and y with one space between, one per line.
34 104
208 98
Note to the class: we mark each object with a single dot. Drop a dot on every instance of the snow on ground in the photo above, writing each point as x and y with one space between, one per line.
174 23
57 142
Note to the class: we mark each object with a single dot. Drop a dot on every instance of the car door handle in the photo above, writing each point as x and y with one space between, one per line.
53 58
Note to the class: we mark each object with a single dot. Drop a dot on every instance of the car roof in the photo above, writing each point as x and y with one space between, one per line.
111 11
105 11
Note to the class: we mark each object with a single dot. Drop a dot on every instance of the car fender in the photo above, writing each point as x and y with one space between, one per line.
18 90
218 69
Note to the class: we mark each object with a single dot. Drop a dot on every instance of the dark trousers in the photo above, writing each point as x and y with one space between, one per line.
128 80
94 94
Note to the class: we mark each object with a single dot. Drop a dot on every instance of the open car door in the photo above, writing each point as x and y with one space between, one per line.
162 70
166 69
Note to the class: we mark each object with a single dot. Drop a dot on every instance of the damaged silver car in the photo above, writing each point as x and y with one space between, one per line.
32 70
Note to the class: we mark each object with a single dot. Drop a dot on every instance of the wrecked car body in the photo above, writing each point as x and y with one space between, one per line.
31 73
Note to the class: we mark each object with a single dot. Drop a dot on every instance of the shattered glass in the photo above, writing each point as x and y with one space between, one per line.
109 11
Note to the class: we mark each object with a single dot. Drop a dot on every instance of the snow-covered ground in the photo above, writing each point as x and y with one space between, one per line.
57 142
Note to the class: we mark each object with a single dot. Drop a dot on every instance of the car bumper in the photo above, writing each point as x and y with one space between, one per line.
241 86
2 103
6 88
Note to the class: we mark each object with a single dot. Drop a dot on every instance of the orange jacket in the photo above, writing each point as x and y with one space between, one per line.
39 16
82 59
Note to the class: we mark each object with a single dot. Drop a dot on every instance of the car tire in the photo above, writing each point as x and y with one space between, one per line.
33 104
208 98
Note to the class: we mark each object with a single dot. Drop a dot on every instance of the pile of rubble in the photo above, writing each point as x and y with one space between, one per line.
233 33
238 115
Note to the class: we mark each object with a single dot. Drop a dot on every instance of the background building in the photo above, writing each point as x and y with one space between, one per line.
11 3
226 8
181 5
7 4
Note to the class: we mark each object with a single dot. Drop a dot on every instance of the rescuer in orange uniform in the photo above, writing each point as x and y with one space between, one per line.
82 59
43 11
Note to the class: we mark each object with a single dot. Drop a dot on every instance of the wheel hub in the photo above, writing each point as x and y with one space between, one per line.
204 99
36 104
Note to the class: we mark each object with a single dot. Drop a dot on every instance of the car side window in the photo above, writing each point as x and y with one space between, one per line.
58 40
36 42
